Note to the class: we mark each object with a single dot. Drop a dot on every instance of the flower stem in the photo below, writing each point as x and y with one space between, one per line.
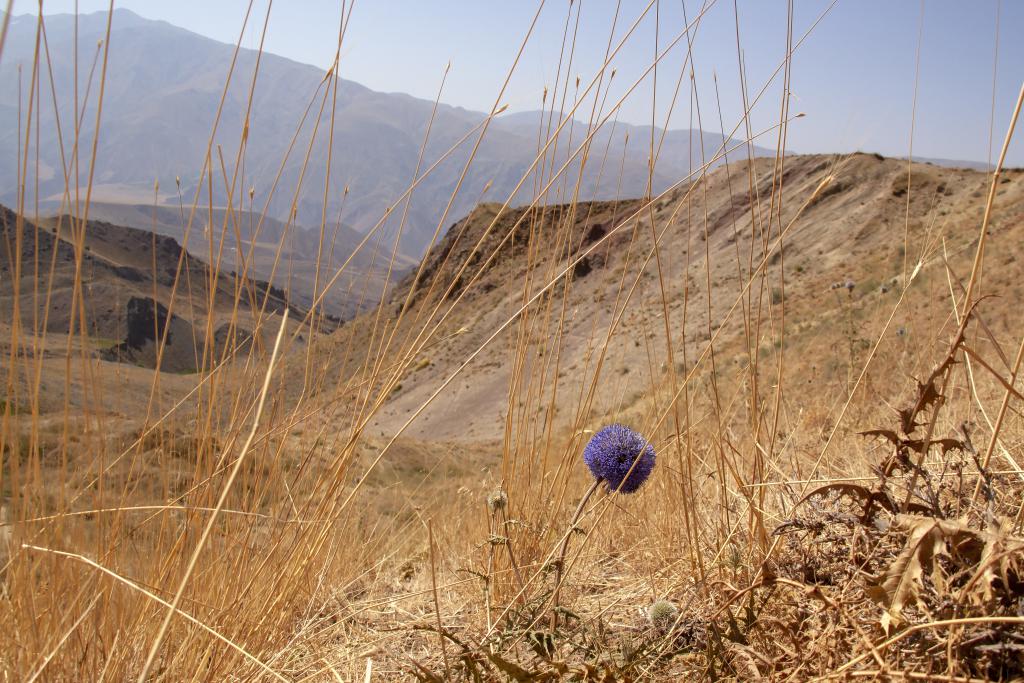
511 556
560 567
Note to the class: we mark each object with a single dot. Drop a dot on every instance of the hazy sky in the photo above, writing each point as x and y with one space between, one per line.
853 77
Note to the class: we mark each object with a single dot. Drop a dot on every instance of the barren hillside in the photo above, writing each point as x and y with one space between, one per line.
840 266
297 259
134 288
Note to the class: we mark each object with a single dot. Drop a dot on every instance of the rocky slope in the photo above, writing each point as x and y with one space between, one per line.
134 285
599 325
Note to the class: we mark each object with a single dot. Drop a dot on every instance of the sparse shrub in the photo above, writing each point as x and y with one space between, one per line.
663 615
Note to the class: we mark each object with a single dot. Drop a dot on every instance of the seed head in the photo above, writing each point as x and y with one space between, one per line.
610 456
663 615
497 500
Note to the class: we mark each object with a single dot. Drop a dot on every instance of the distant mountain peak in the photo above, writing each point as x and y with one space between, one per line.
163 88
121 15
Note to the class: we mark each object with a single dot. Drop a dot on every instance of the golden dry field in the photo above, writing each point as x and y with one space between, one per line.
314 456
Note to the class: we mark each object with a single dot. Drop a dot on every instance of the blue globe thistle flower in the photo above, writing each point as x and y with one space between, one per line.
610 454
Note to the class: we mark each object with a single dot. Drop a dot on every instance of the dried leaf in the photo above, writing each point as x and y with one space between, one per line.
424 674
512 670
927 394
745 661
542 642
1000 648
947 445
929 538
1001 555
908 423
852 490
887 434
861 493
902 582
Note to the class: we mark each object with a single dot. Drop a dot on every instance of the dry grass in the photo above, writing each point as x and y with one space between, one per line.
265 519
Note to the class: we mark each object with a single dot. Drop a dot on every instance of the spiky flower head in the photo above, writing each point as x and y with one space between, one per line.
610 456
663 615
497 500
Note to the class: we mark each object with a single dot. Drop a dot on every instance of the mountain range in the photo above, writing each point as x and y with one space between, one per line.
163 86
